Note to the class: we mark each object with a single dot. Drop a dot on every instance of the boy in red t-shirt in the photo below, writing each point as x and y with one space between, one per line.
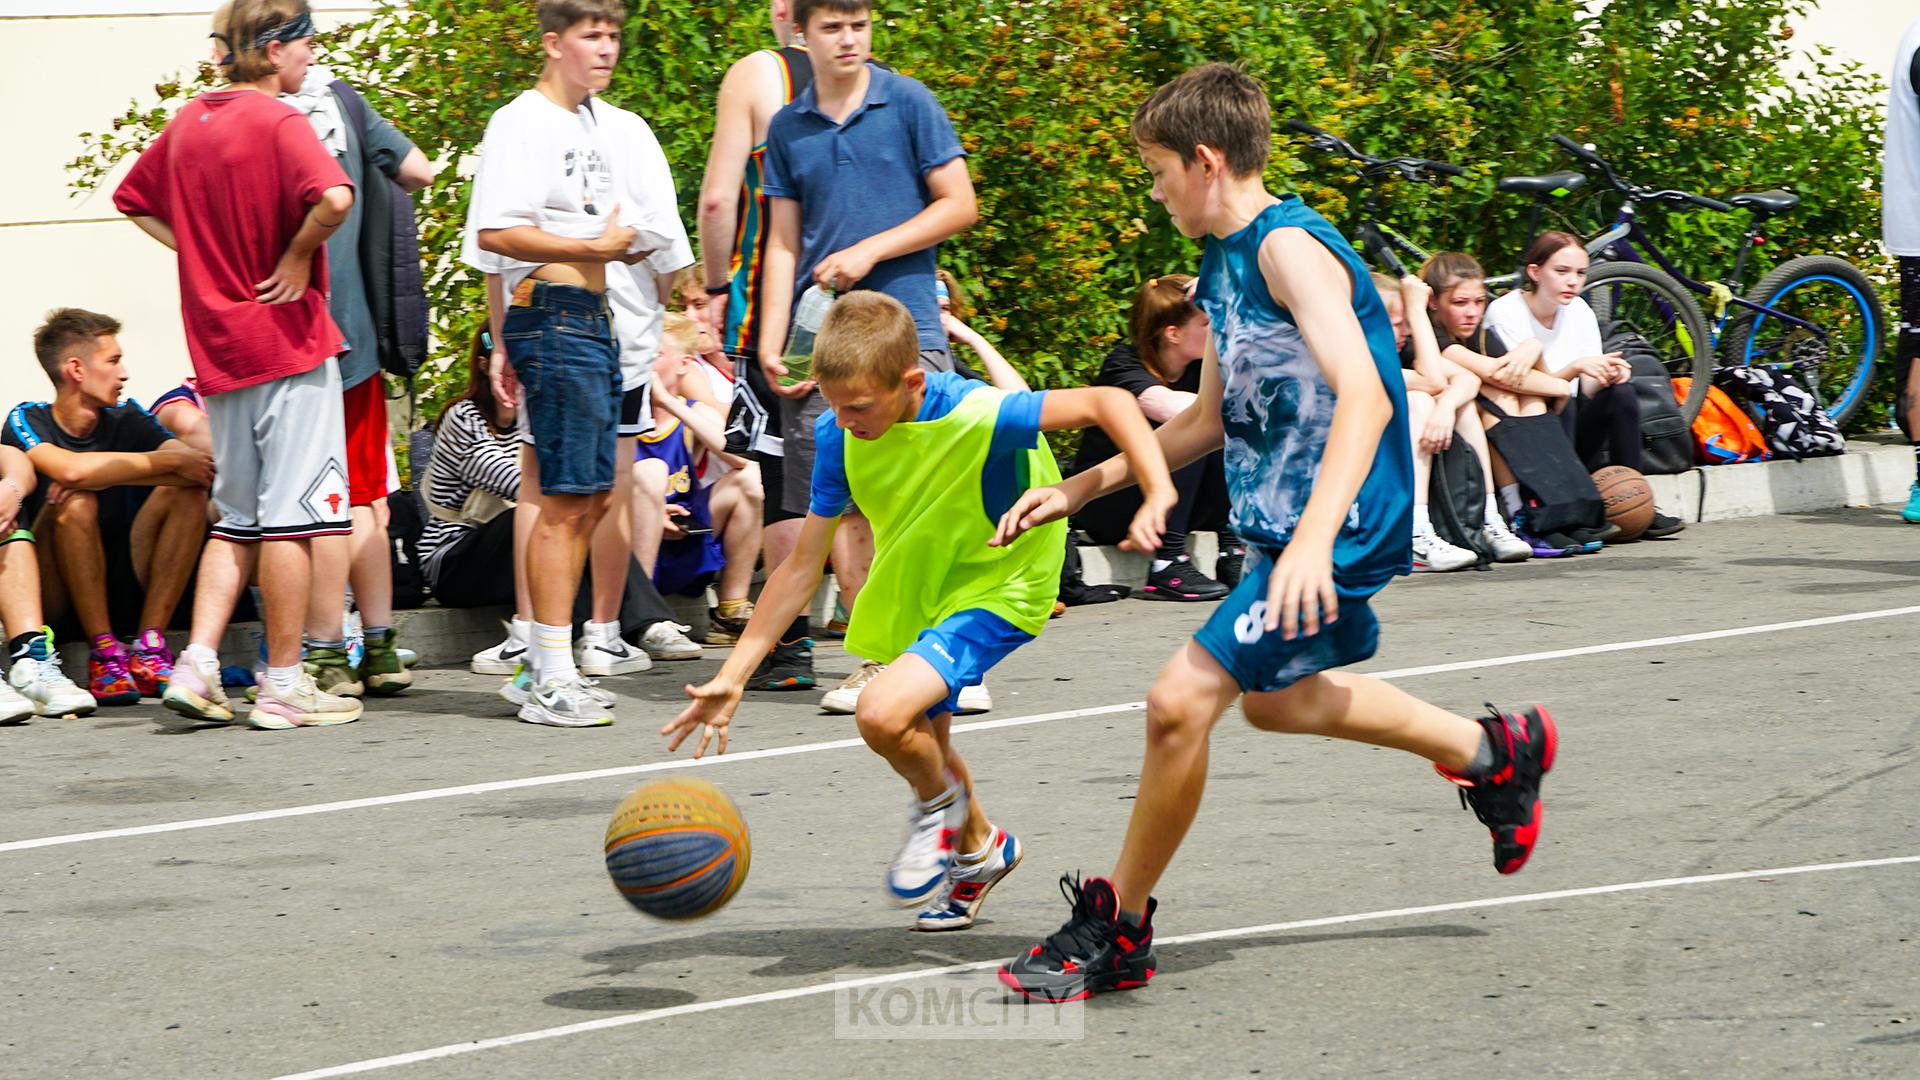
239 185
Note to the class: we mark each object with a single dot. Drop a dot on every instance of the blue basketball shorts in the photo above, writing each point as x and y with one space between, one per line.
964 647
1262 661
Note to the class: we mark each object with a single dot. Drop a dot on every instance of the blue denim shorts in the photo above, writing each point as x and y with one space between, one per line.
964 647
1262 661
561 346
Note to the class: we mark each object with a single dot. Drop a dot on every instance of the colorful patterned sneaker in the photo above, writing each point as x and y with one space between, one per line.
15 707
920 867
845 698
197 695
150 664
1507 798
726 629
1093 953
1911 515
668 640
956 905
788 667
332 672
108 679
305 705
1181 580
381 667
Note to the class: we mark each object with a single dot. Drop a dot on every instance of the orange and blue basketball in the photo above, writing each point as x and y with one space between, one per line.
677 849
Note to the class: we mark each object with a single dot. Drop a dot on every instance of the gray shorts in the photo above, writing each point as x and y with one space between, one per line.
279 455
796 424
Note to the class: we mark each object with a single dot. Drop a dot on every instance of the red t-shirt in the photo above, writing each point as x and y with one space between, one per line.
233 175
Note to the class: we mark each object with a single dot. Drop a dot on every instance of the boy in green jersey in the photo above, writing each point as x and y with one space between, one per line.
935 459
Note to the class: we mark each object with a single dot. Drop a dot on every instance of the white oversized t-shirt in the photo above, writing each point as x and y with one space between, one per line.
563 172
1575 333
1900 167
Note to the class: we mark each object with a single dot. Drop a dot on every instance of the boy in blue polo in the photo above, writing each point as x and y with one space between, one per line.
864 178
1301 383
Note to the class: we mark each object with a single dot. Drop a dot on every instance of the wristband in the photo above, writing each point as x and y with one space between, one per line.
719 290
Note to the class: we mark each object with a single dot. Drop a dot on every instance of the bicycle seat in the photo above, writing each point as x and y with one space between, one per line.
1550 184
1772 202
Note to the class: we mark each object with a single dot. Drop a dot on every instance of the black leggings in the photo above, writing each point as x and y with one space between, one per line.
1906 343
1204 506
1608 421
477 571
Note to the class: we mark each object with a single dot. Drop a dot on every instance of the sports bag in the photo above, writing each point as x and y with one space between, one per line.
1537 450
1666 445
1722 433
389 253
1791 419
1457 501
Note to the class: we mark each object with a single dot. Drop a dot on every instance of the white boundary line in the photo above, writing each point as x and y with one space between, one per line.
842 744
816 989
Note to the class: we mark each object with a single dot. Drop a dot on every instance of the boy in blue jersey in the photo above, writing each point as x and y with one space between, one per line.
1302 385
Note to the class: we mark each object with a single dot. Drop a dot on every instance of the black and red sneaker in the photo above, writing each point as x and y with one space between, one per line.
1093 953
1506 798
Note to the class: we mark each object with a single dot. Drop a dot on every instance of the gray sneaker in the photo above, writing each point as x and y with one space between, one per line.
571 702
668 640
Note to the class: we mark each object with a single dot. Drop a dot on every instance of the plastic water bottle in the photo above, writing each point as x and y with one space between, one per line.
807 317
356 638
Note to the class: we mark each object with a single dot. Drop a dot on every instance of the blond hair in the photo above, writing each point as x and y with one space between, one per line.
678 328
867 337
239 23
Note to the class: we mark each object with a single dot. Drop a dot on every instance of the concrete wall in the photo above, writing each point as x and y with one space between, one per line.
57 248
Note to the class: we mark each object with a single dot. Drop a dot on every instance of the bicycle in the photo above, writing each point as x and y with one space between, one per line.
1378 240
1816 316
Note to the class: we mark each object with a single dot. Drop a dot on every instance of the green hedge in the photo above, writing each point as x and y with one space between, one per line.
1693 93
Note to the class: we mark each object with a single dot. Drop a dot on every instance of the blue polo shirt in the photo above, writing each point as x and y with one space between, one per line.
863 177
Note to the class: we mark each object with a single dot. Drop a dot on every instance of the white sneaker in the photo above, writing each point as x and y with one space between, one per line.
519 690
306 705
974 699
1506 546
1432 553
566 703
958 901
501 659
600 655
47 686
845 698
919 869
14 707
667 640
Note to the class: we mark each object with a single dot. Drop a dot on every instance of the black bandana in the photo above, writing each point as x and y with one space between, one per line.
301 26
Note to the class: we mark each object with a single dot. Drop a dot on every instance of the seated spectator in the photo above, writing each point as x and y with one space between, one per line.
121 508
467 551
1158 365
181 411
1602 416
34 683
1440 405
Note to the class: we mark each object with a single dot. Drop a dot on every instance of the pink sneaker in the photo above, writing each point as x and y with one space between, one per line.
195 693
306 705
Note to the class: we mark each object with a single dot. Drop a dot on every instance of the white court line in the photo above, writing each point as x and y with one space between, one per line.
816 989
842 744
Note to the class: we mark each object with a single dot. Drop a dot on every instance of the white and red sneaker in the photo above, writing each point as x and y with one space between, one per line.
956 905
919 869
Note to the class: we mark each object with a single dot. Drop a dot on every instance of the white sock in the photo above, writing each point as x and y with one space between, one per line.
551 653
519 631
1422 519
1510 497
283 678
1493 510
942 800
1160 564
201 657
980 856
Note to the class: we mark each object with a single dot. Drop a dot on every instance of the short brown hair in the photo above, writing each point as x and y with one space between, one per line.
64 329
239 23
804 9
1217 105
560 16
1544 247
866 337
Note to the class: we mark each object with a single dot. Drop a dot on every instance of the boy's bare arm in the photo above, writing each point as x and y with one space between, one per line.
1118 414
776 287
159 230
787 593
726 169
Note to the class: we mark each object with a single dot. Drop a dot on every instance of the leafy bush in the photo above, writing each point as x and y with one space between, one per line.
1692 93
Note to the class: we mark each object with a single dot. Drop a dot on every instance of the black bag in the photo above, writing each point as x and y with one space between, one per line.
1457 501
1786 412
1666 444
1542 459
405 523
389 252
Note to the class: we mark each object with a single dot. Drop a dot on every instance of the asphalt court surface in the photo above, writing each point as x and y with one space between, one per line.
366 935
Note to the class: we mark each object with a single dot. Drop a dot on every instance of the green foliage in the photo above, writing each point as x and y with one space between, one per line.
1697 94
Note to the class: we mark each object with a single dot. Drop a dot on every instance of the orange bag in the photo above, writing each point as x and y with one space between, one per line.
1722 434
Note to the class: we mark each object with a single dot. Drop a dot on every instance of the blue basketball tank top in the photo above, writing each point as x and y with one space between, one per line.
1277 408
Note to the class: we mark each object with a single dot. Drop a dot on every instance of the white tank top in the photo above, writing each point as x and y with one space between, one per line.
1900 168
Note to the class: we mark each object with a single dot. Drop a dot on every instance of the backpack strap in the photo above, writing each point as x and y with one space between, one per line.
1486 403
355 107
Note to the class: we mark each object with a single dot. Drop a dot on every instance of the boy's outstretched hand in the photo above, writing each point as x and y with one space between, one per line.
711 712
1036 507
1300 593
1150 521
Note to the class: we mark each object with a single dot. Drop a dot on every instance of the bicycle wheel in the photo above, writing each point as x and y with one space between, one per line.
1662 310
1835 298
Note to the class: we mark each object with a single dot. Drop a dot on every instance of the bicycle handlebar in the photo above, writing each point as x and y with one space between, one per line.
1586 155
1579 152
1410 167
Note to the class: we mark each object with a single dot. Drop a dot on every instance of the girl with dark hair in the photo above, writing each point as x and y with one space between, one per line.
1159 367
